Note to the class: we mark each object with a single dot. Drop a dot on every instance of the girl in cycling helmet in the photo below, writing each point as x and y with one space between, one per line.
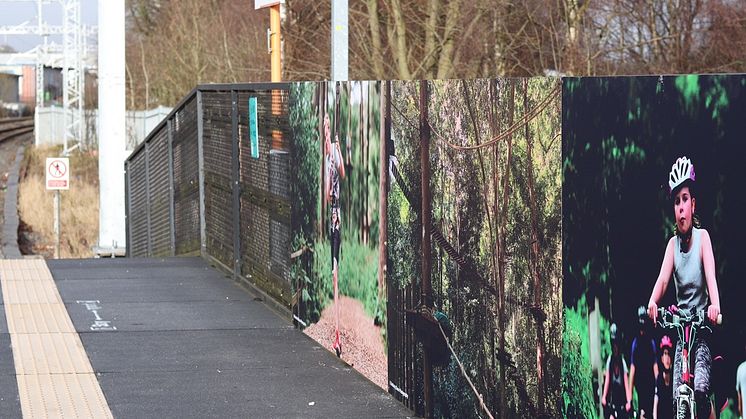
689 260
663 401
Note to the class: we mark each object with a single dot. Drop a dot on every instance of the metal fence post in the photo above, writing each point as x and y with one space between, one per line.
201 164
171 208
127 209
236 176
147 199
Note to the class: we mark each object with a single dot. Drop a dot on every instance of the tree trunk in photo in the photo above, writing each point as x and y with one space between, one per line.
322 92
502 238
385 111
534 260
495 130
426 297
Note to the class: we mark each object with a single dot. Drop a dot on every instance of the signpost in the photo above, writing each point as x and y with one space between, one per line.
253 131
58 178
274 45
273 36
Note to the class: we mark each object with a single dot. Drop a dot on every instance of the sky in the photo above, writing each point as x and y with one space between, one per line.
15 12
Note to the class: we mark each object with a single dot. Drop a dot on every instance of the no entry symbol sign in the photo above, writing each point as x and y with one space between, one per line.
58 173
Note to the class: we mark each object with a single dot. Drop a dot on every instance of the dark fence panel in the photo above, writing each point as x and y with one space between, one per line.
246 200
160 202
186 178
138 203
217 139
404 353
265 197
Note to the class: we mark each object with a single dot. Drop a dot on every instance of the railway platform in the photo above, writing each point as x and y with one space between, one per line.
161 338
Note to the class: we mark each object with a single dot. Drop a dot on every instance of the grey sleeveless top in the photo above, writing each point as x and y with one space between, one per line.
689 275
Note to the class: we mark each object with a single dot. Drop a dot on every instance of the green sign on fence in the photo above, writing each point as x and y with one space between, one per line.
253 131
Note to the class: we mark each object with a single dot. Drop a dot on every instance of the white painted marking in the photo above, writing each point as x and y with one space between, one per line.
99 325
405 395
299 320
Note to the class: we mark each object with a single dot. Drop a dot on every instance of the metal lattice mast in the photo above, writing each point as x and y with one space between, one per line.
73 72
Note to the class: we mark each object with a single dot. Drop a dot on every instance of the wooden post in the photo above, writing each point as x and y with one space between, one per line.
275 51
427 293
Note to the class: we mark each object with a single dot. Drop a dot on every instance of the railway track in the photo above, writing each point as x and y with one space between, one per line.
13 127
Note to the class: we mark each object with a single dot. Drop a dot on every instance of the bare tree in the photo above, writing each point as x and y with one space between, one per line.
173 46
307 40
457 39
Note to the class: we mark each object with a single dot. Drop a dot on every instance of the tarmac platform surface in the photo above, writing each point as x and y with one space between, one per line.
176 338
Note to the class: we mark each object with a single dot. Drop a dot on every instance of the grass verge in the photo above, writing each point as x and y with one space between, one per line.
78 210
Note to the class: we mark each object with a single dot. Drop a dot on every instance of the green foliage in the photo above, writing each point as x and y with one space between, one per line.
577 387
732 411
304 188
689 87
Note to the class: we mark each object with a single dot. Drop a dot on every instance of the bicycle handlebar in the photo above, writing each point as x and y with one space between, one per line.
667 318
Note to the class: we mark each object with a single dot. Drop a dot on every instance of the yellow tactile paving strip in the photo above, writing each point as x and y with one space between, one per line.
55 377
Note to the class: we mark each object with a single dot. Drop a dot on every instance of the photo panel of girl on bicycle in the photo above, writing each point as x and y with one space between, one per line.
653 245
339 298
474 235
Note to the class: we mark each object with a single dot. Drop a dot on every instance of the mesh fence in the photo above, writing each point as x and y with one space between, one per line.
186 178
237 212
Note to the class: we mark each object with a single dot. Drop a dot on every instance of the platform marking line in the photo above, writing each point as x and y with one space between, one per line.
54 375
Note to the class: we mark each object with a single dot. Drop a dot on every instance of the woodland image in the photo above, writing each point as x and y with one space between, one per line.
475 165
353 109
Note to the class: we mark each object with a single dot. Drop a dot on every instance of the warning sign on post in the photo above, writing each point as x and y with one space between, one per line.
58 173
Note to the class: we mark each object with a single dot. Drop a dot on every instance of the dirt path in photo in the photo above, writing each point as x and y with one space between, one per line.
362 343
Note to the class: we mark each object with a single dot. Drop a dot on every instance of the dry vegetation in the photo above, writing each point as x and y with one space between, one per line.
78 211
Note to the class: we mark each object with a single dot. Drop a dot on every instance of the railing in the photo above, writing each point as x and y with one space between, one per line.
193 187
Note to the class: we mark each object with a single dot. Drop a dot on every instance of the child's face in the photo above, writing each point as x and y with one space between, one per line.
683 208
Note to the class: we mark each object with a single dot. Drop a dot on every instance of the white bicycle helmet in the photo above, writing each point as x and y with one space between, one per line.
681 171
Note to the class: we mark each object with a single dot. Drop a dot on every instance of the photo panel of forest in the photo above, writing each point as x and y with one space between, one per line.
353 149
621 137
474 233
